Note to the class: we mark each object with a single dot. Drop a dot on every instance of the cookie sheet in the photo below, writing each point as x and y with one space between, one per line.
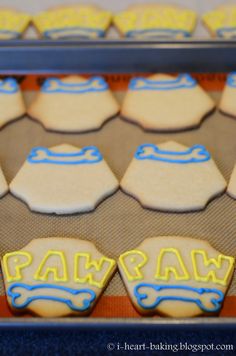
119 223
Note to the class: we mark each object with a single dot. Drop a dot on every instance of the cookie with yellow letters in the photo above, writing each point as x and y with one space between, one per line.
54 277
150 21
176 276
221 22
75 21
13 23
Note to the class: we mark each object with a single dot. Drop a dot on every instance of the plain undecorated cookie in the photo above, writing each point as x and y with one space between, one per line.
64 180
164 103
172 177
55 277
11 101
147 21
231 190
74 104
176 276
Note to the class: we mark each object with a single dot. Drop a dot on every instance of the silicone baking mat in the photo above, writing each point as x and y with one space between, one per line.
119 223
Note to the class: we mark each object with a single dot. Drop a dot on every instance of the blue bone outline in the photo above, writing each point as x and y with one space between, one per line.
50 154
12 83
167 32
183 81
99 32
141 296
74 88
202 152
14 295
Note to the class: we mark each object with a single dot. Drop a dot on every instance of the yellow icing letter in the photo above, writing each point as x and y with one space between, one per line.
132 263
14 262
94 272
53 263
170 261
207 269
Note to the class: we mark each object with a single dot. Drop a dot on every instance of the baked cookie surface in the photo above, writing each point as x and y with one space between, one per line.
64 180
55 277
165 103
74 104
147 21
172 177
176 276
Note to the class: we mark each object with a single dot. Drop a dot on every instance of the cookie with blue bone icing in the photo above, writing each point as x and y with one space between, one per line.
176 276
55 276
3 184
64 179
13 23
172 177
155 21
221 22
73 21
165 103
227 102
11 101
73 104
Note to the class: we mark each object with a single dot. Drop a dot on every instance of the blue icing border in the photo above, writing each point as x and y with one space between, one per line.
14 295
74 88
142 296
12 83
14 33
220 31
231 80
203 154
64 158
99 32
183 81
167 32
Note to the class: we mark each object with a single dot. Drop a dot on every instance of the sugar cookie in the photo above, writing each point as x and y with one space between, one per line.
164 103
176 276
228 103
231 190
172 177
84 21
221 22
147 21
53 277
64 180
12 23
3 184
11 101
74 104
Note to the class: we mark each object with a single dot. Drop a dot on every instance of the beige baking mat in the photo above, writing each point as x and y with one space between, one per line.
119 223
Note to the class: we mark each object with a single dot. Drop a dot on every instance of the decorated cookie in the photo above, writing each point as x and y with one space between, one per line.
164 103
11 101
83 21
176 276
64 179
228 100
12 23
144 21
221 22
53 277
74 104
172 177
3 184
231 190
